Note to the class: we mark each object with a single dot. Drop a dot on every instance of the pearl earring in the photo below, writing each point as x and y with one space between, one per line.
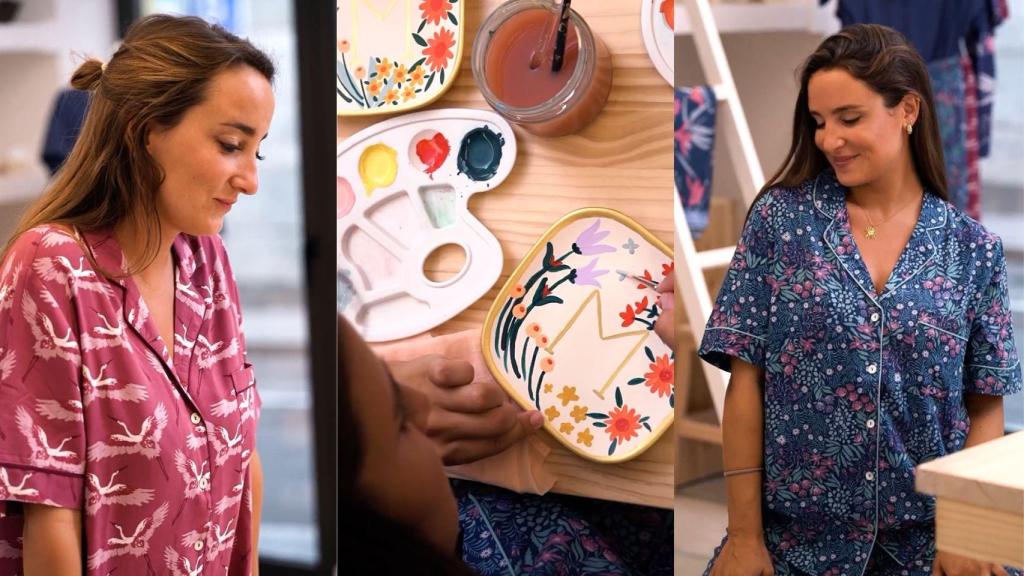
910 129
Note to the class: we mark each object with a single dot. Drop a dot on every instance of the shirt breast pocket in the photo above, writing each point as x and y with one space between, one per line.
236 432
941 343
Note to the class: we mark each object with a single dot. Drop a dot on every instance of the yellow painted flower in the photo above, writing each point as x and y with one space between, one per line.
384 68
547 388
399 74
579 413
416 76
373 88
407 93
551 412
585 437
565 428
392 96
567 395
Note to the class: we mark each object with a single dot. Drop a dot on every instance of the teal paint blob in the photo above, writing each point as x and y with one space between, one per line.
480 154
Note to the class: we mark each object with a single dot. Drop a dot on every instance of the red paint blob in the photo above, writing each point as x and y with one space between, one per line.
432 152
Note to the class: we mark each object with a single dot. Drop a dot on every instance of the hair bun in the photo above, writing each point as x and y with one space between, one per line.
88 75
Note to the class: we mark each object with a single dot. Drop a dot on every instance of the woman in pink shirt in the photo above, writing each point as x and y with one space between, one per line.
127 408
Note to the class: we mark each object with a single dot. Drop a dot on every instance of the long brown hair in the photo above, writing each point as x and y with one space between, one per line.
161 69
883 59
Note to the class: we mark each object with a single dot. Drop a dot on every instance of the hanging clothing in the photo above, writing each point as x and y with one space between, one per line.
65 123
694 149
95 415
948 90
860 387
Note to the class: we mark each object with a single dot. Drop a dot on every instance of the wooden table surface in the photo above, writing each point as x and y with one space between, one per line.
622 161
979 500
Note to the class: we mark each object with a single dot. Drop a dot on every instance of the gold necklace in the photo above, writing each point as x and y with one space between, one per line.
872 228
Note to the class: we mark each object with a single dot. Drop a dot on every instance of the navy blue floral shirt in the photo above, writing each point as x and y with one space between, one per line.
860 387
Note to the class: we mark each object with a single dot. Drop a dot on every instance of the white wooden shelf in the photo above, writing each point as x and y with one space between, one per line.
785 16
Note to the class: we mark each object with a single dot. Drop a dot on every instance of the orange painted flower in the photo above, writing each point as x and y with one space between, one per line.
517 290
547 388
628 316
416 76
551 413
435 10
641 305
519 311
579 413
623 423
661 376
547 364
439 49
533 330
360 72
667 9
567 395
373 87
392 96
585 437
384 68
407 93
399 74
565 428
543 340
343 46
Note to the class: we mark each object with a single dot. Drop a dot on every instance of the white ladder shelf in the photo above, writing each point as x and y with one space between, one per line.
732 128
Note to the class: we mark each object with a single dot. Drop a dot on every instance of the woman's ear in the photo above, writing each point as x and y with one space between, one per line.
911 108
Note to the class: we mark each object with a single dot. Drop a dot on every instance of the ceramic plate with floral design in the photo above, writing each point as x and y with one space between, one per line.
657 27
396 55
572 334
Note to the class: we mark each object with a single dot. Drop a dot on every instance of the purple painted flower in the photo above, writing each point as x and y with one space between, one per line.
587 243
588 276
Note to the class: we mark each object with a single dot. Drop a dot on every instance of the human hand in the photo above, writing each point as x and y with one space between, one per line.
665 325
743 556
468 418
947 564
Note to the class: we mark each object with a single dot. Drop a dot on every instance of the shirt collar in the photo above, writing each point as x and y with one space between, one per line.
829 197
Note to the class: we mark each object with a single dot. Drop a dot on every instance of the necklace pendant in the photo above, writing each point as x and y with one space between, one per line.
870 232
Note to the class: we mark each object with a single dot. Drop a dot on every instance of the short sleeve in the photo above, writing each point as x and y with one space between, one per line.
42 434
991 364
738 326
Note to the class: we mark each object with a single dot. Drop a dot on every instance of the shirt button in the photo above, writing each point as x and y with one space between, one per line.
871 423
874 317
198 545
870 476
872 369
196 418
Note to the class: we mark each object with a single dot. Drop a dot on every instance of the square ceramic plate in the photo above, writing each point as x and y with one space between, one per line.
572 334
396 55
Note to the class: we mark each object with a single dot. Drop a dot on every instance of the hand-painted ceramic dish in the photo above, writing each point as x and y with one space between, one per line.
396 55
572 334
403 192
657 23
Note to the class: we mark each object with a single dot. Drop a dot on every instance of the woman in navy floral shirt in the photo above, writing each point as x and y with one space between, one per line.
866 323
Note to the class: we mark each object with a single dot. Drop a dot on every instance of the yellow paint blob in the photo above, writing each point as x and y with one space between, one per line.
378 167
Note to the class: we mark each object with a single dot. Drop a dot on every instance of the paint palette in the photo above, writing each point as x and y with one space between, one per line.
657 26
572 334
403 192
396 55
